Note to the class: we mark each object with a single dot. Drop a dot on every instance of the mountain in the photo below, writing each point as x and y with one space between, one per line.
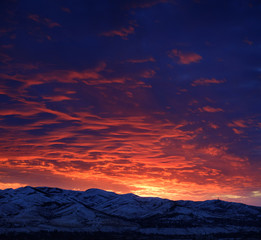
35 209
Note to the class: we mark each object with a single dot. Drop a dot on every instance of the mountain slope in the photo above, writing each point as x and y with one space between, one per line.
31 209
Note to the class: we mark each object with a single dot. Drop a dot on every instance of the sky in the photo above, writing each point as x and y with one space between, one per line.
159 98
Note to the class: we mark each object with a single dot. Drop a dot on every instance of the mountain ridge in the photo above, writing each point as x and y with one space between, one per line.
33 209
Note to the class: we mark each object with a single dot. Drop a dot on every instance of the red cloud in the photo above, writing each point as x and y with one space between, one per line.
185 58
122 32
5 58
46 21
65 76
56 98
236 131
34 17
7 46
247 41
50 23
210 109
147 3
68 10
206 82
148 73
151 59
92 77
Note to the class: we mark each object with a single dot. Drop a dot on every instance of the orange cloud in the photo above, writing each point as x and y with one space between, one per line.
137 154
238 123
236 131
206 82
185 58
210 109
104 127
214 126
123 150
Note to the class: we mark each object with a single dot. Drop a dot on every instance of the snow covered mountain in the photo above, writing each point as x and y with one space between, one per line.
32 209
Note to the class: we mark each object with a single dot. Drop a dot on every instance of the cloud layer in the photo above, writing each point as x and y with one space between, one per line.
158 98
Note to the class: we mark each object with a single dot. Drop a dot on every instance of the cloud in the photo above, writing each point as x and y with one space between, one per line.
5 58
136 121
7 46
147 3
206 82
56 98
144 60
247 41
45 21
91 76
210 109
238 123
34 17
213 125
122 32
236 131
141 152
148 73
185 57
67 10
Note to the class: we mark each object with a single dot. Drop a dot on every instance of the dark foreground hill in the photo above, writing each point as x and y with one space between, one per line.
52 213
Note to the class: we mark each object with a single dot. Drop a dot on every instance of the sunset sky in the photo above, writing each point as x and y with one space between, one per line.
158 98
